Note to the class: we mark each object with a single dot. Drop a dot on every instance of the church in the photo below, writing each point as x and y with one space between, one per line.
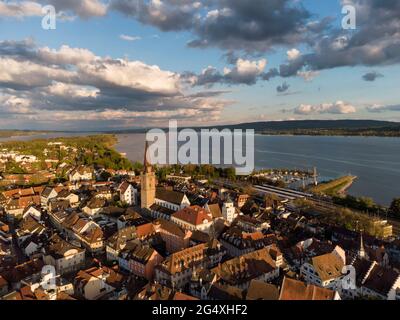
162 203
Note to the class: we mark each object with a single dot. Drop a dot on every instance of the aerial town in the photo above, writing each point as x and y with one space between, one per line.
133 234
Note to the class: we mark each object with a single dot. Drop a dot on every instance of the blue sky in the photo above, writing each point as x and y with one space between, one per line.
235 95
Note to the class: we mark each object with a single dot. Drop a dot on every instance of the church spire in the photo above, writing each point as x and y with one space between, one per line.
146 162
361 250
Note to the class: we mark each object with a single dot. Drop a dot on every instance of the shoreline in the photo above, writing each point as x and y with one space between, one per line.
257 133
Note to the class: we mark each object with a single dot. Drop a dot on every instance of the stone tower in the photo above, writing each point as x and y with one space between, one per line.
147 182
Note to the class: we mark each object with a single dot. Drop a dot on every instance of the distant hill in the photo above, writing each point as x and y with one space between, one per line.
325 127
311 127
315 124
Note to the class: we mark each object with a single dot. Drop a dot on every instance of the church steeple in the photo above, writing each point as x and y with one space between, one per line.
361 250
146 162
147 182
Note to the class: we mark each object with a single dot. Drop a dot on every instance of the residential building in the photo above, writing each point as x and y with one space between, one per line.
239 242
47 194
139 259
175 237
373 281
118 241
240 271
324 271
32 211
80 173
97 282
128 194
176 270
65 257
229 210
94 206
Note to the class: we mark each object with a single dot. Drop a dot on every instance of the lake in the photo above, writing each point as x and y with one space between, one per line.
374 160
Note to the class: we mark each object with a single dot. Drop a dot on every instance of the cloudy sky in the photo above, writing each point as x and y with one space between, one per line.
112 64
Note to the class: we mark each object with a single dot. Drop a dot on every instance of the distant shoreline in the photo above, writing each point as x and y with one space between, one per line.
339 128
271 134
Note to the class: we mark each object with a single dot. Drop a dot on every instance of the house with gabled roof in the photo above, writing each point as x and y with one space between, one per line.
175 237
33 211
240 271
118 241
128 194
94 206
373 281
15 207
139 259
176 270
47 194
239 242
80 173
324 270
64 256
97 282
69 196
193 218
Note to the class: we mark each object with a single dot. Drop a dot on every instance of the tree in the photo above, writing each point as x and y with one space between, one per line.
104 176
229 173
395 207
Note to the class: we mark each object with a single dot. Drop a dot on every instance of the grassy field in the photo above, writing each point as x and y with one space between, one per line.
334 187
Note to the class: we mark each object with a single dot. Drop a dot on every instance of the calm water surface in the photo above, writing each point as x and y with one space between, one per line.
374 160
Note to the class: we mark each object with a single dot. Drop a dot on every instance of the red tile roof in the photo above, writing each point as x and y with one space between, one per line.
194 215
297 290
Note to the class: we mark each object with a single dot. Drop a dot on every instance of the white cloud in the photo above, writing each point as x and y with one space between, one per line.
20 9
293 54
339 107
247 67
15 73
244 72
57 85
14 105
129 38
377 108
72 90
133 75
66 55
83 8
